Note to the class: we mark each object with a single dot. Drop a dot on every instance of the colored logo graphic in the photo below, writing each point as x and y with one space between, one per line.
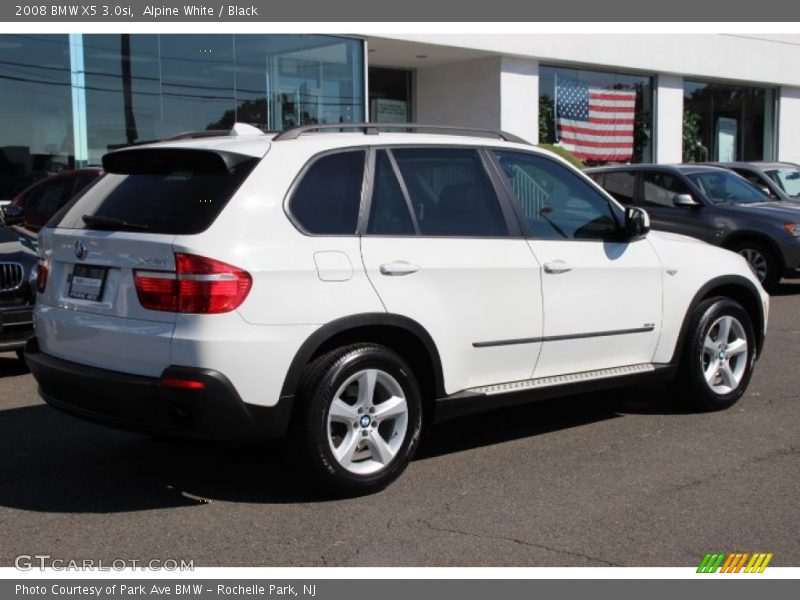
735 562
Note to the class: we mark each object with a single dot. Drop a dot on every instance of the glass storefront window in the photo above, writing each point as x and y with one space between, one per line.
123 89
124 102
601 117
36 136
179 83
723 122
284 81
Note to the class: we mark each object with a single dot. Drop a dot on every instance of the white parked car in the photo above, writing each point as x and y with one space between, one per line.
342 290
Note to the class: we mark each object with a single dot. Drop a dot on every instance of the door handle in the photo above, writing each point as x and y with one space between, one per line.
398 267
557 266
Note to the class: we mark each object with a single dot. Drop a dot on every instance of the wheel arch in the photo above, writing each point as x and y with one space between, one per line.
736 287
398 333
742 236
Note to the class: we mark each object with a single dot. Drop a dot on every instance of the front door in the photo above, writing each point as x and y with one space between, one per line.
658 191
602 295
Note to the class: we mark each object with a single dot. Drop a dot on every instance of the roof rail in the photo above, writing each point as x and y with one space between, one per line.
237 130
374 129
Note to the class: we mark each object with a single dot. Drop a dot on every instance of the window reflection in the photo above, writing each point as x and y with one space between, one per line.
35 110
141 88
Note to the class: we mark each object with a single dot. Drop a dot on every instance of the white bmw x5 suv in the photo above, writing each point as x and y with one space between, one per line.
343 289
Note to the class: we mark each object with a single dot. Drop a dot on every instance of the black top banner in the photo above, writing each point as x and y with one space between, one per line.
463 11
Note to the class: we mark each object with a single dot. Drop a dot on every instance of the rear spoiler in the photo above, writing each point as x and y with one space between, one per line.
162 161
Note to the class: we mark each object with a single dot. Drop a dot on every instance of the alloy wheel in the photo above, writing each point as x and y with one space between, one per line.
724 358
367 421
757 262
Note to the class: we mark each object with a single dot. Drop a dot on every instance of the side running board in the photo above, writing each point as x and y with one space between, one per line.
541 382
500 395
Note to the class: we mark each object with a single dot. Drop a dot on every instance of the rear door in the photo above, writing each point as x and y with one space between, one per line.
441 248
90 310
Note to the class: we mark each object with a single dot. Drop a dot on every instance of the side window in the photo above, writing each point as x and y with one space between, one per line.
556 203
757 181
48 197
327 199
660 189
388 210
451 193
621 185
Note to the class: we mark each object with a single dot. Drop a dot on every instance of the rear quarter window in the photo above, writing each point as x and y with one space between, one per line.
327 198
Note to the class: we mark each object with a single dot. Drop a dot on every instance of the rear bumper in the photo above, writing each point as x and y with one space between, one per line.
138 403
16 326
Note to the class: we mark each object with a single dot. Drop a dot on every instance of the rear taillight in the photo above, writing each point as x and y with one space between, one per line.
157 290
42 271
199 285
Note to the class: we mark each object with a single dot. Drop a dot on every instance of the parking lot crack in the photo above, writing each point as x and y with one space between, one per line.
754 460
521 542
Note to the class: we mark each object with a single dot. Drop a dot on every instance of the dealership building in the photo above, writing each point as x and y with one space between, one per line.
67 99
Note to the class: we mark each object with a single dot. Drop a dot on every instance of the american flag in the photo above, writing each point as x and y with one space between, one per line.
594 123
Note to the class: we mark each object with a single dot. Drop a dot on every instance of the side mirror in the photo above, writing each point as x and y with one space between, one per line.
685 200
637 223
12 214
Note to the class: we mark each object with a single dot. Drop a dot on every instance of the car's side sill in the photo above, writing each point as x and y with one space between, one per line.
501 395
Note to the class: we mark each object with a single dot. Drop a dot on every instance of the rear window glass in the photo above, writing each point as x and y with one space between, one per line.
171 191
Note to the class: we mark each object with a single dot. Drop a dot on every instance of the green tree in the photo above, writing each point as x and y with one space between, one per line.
563 153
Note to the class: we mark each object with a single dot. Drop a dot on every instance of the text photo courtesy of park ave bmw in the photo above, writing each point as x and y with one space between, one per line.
289 295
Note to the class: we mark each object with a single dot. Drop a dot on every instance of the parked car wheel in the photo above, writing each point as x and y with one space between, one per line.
761 261
360 418
718 355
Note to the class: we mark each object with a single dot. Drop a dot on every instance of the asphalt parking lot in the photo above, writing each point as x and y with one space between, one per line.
616 478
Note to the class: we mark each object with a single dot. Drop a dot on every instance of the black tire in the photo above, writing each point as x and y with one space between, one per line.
312 437
696 390
759 257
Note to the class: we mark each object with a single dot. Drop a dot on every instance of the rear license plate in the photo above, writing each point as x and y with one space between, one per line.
87 282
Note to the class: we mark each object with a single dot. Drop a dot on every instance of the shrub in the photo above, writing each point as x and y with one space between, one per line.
563 153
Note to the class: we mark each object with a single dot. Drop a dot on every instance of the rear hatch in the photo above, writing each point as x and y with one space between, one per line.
96 249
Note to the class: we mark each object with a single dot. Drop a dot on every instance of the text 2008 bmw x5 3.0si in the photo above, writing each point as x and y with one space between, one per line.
342 289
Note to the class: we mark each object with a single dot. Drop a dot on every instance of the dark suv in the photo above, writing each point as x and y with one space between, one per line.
715 205
779 180
18 259
34 205
19 223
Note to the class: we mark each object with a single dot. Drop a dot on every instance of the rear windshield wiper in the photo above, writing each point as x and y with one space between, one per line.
96 220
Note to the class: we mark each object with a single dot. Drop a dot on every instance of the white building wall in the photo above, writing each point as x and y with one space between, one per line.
519 97
500 89
490 93
789 125
735 57
669 119
463 93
